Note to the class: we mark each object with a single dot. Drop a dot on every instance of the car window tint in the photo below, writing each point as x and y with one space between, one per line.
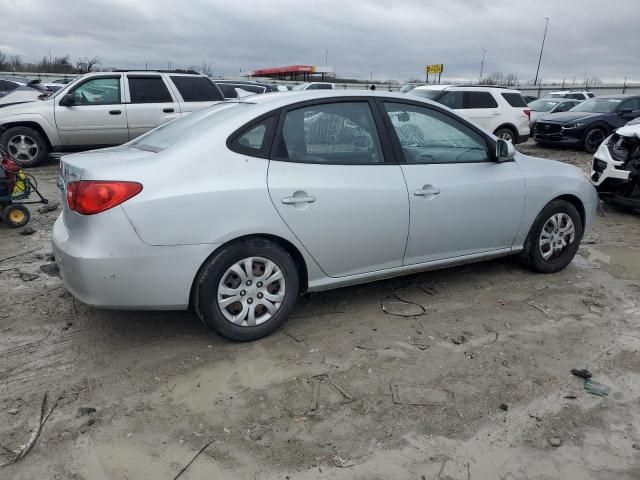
479 100
565 106
148 90
335 133
514 99
228 90
196 89
428 136
6 86
452 99
252 140
98 91
633 104
576 96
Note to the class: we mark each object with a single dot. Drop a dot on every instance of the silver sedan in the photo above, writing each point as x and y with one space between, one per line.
238 208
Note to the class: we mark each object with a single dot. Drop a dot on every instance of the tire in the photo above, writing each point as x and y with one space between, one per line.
15 215
592 139
506 134
232 319
532 254
25 146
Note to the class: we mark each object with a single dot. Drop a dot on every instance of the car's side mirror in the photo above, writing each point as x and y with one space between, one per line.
625 111
505 151
68 100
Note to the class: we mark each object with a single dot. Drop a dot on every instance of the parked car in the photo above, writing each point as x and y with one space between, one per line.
101 109
499 110
315 86
230 87
8 85
408 87
587 124
300 192
529 98
31 91
615 168
574 94
545 106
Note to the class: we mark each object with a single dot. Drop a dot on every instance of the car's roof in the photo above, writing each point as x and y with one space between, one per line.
571 91
468 87
559 100
616 97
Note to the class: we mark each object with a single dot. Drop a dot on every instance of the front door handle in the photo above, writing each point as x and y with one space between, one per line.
168 110
298 199
115 112
426 190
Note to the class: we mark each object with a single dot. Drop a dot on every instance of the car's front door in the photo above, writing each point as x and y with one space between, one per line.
627 111
462 202
97 117
338 188
149 103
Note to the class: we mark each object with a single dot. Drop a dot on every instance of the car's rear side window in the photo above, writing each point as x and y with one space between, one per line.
197 89
148 89
514 99
479 100
254 140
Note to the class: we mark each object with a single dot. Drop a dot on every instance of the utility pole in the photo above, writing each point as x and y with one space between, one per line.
326 55
544 37
484 50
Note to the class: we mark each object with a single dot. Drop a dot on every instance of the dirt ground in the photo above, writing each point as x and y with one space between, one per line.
475 385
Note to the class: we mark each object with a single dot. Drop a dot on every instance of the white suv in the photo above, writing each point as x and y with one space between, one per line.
574 94
499 110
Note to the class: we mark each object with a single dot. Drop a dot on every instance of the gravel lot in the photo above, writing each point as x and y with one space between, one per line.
475 385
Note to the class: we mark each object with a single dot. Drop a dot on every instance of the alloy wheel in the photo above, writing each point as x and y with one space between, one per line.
23 148
557 234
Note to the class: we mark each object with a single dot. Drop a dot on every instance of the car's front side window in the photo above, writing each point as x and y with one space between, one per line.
633 104
98 91
452 100
429 136
333 133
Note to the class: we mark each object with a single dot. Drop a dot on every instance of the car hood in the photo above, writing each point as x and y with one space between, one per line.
565 117
20 95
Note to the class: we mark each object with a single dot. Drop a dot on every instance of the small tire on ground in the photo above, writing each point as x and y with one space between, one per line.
35 136
15 215
587 144
506 132
531 255
208 279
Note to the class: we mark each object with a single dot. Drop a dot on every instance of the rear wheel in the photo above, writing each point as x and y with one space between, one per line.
506 134
593 139
15 216
554 238
25 146
247 290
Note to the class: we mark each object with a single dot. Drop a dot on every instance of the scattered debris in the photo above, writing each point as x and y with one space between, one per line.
67 325
49 207
14 411
635 446
460 340
50 269
570 397
421 346
596 388
86 411
257 432
582 373
314 398
85 426
539 308
555 442
28 231
418 395
341 389
184 469
28 277
535 417
297 338
426 289
492 330
401 308
442 467
504 406
470 355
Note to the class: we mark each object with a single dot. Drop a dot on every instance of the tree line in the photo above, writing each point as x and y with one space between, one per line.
49 64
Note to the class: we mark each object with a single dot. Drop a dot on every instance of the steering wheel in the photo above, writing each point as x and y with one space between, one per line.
84 98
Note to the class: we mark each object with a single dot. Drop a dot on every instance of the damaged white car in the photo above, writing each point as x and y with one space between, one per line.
615 169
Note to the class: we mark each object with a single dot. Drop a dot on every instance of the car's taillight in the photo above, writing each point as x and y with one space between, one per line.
527 112
89 197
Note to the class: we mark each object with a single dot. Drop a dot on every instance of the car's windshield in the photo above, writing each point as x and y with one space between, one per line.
186 127
542 105
598 105
302 86
430 94
557 95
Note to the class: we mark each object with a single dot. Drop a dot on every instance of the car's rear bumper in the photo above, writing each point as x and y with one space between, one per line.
523 138
105 264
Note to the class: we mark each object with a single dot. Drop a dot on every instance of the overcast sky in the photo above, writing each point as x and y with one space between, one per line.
393 39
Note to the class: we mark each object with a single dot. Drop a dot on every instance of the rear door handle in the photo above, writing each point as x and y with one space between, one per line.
295 200
426 190
115 112
168 110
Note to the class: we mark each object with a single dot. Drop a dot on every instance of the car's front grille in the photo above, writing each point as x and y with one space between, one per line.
544 128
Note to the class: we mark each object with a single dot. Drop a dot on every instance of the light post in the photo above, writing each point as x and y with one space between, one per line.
484 50
546 25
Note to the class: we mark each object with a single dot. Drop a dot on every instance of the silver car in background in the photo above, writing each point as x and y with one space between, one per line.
238 208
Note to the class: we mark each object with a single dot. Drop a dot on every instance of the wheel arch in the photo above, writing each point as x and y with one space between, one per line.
576 202
286 245
598 124
508 126
28 124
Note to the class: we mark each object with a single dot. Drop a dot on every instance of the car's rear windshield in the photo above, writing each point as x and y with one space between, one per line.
543 105
184 128
598 105
514 99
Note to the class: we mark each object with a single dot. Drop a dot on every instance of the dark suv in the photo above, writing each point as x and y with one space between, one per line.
587 124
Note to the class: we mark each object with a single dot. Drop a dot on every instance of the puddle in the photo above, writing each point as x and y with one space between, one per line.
622 262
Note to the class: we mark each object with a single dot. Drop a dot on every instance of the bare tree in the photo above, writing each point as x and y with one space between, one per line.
86 64
3 61
16 63
206 69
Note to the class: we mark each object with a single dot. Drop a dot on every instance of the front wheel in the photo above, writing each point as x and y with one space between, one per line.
247 289
25 146
593 139
506 134
554 238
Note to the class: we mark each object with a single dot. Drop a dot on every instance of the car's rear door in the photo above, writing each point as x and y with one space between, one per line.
462 202
98 116
195 91
335 183
149 103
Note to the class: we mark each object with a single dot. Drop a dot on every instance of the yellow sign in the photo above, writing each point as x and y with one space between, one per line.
435 68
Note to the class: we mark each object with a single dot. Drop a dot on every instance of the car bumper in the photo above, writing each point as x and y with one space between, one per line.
605 169
103 263
523 138
570 137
